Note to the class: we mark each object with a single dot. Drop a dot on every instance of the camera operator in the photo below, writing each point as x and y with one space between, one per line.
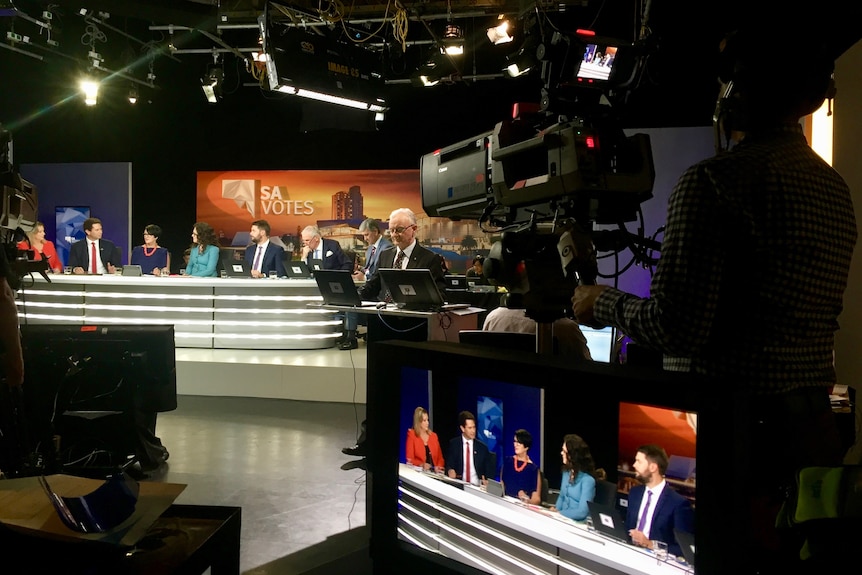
750 282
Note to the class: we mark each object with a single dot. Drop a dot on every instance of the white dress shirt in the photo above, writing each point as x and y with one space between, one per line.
653 501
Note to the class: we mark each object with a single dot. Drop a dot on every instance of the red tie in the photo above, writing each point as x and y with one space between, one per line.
93 256
467 462
257 259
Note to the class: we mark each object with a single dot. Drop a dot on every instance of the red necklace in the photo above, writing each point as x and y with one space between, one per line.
151 252
523 465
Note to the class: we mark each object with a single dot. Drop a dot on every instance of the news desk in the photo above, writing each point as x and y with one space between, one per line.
220 313
498 535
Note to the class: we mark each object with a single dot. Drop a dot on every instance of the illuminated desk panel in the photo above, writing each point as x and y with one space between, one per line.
206 312
499 536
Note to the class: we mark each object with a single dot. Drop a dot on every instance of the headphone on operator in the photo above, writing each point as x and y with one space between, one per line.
770 77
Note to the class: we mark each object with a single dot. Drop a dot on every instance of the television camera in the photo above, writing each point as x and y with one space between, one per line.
546 179
19 206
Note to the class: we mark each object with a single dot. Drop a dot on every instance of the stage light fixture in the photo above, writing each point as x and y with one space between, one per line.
133 95
211 84
500 34
90 87
523 60
452 43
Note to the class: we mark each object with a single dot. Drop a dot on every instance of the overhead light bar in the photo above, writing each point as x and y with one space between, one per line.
320 67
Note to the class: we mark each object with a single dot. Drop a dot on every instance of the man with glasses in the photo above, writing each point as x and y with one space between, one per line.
406 253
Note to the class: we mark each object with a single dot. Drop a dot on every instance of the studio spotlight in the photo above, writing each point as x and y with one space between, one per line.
90 88
523 60
500 34
211 84
133 95
452 43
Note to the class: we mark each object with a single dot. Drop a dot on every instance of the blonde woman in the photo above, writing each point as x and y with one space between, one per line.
423 446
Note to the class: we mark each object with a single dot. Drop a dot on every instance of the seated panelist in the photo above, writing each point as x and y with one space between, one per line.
93 255
468 458
520 476
42 248
578 485
655 509
422 446
264 256
203 259
152 258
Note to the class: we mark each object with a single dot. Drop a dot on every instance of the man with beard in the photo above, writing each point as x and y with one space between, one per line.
655 509
262 255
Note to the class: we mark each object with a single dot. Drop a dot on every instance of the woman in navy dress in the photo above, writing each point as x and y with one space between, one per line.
520 476
152 258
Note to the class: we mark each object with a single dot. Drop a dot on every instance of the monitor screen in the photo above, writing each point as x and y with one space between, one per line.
597 62
613 408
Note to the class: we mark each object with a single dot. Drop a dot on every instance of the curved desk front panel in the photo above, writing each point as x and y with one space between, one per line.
206 312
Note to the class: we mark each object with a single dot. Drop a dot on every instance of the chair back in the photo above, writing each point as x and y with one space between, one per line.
606 492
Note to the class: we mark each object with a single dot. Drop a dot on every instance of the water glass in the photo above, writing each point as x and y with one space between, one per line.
273 275
222 273
660 550
67 270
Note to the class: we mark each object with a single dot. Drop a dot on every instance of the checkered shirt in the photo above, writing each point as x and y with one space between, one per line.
753 268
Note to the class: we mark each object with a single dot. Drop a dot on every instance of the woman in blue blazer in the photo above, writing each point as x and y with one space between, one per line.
203 259
578 485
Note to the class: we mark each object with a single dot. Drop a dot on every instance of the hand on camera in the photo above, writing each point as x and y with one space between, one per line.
583 302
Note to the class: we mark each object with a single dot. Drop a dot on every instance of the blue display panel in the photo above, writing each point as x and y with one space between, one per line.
69 228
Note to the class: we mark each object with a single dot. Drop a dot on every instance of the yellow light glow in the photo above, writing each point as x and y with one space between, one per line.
90 88
821 131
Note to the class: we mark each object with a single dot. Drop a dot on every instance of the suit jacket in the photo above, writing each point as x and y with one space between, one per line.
414 449
672 511
372 260
78 256
334 257
271 260
421 258
485 465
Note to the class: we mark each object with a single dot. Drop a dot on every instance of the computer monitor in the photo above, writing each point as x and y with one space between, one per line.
582 397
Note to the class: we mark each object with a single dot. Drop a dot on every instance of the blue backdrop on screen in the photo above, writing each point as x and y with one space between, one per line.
519 407
105 187
69 228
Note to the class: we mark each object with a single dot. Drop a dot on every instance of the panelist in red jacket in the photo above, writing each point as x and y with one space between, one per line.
423 446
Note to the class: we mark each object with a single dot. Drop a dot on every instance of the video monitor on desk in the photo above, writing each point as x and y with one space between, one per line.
590 400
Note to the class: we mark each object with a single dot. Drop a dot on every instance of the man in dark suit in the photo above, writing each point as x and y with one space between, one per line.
81 252
480 465
263 256
377 243
654 517
406 254
328 251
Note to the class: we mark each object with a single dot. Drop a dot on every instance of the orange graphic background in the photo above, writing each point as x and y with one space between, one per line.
382 192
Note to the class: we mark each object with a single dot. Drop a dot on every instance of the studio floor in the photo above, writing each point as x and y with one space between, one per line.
281 462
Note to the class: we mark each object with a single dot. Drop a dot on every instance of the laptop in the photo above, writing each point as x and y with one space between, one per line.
608 522
415 289
456 283
337 288
686 543
316 265
237 268
494 488
297 269
132 270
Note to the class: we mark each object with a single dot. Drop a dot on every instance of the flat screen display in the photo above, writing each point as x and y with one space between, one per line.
69 228
597 62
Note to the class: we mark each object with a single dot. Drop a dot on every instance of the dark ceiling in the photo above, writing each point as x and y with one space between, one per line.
164 45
